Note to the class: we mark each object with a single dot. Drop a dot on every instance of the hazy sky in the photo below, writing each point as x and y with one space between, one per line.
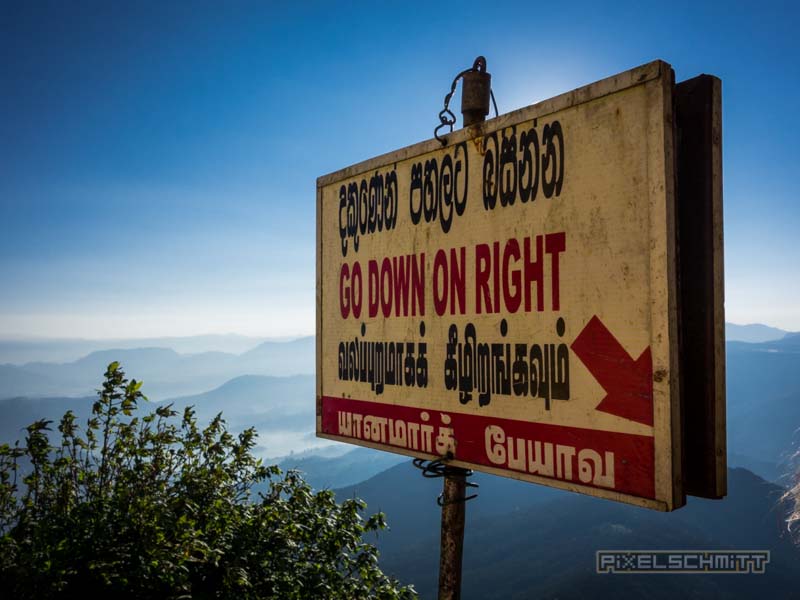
158 159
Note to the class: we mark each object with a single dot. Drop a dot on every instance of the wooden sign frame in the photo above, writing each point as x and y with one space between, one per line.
698 112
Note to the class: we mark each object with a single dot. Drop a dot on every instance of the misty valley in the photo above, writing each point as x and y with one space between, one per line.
520 538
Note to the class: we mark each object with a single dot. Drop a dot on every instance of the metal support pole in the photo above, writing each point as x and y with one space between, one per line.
475 95
452 545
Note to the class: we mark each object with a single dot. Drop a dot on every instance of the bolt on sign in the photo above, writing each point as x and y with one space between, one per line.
511 300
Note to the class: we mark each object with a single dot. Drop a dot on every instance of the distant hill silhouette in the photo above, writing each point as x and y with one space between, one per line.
165 372
267 403
763 390
18 413
20 351
525 541
18 382
753 333
344 469
278 407
410 500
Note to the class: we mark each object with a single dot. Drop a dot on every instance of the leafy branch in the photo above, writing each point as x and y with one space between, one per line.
156 506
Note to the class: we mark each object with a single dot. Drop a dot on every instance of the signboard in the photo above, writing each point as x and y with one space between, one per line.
510 299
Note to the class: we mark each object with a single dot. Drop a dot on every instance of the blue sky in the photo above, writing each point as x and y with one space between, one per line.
158 159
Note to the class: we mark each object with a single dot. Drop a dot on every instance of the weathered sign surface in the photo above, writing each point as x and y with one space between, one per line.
511 298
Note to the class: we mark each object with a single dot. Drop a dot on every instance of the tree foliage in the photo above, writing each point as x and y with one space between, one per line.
156 507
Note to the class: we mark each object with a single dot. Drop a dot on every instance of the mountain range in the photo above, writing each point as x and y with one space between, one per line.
522 541
167 373
763 392
21 350
753 333
763 397
278 407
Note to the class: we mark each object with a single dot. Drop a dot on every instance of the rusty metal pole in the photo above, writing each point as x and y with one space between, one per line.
452 544
475 95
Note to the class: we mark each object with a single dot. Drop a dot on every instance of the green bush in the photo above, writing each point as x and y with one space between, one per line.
156 507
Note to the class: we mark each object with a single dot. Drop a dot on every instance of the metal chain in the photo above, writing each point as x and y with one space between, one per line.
446 116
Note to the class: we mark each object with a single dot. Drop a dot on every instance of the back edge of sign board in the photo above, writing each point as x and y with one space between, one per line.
698 108
670 473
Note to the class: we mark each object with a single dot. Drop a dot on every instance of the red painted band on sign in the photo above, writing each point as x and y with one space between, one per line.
621 462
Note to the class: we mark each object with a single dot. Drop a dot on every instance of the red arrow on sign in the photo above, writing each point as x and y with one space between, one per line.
628 383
